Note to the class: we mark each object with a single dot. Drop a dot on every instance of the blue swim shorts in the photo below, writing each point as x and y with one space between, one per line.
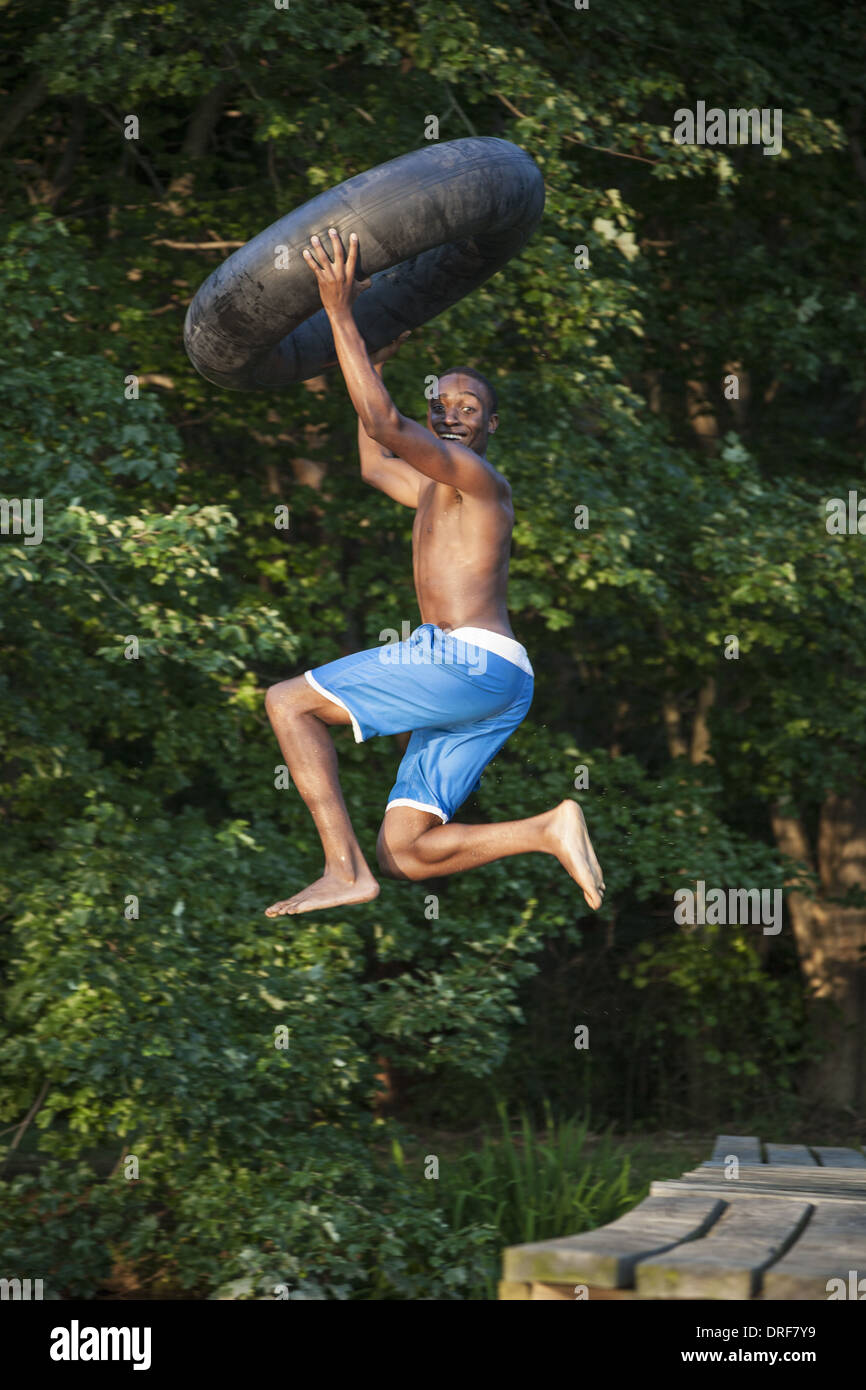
461 694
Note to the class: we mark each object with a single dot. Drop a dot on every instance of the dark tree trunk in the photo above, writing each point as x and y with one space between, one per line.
831 944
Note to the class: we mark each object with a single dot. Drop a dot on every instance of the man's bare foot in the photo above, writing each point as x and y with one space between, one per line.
570 842
328 891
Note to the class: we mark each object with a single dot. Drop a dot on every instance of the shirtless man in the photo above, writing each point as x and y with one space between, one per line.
461 683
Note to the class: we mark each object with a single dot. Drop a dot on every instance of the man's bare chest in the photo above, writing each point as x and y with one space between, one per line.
439 514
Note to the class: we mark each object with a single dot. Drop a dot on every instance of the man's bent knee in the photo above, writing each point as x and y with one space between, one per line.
287 695
396 846
402 864
390 858
297 696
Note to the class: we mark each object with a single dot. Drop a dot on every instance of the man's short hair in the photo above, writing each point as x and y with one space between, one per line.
492 398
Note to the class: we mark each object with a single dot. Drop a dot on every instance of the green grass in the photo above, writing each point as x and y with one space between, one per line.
529 1184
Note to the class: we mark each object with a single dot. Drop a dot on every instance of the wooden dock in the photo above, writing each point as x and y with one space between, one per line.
746 1224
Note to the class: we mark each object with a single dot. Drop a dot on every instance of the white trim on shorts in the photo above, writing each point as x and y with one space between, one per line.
356 728
506 647
418 806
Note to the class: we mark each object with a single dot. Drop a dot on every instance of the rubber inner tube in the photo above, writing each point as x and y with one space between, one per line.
432 226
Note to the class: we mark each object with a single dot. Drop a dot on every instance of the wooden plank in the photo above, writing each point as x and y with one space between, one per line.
510 1290
594 1294
789 1176
789 1154
606 1257
833 1244
802 1191
597 1295
841 1158
810 1170
728 1191
744 1147
728 1261
814 1172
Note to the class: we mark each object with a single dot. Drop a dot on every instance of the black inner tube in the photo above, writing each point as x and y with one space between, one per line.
432 225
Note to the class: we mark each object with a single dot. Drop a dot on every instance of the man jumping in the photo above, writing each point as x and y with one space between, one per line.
461 684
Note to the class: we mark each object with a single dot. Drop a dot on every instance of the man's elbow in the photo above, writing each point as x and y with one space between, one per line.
382 426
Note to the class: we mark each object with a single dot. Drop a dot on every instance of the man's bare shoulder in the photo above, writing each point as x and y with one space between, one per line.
501 483
497 503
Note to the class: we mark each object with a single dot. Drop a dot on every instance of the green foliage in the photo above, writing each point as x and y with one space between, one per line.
528 1185
145 769
319 1221
534 1188
710 1000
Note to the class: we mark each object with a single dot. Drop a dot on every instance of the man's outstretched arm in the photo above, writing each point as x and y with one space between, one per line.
444 461
379 466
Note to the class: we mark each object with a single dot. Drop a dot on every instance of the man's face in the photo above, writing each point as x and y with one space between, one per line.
461 411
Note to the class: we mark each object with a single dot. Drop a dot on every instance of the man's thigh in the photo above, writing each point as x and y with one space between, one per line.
408 686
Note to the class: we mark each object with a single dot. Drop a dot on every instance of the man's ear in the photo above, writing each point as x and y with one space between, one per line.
493 424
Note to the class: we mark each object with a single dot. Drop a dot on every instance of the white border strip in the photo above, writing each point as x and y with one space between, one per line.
418 806
356 728
496 642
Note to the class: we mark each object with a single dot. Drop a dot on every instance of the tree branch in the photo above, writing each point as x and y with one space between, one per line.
455 106
572 139
119 1164
31 95
197 245
198 132
855 145
139 158
29 1117
72 555
63 174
